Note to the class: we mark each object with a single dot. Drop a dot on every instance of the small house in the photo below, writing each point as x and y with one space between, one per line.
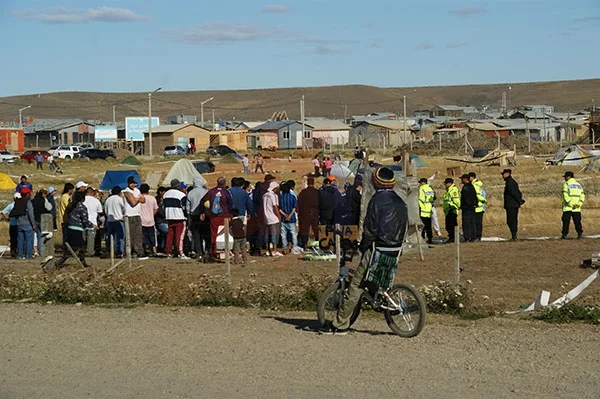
179 134
288 133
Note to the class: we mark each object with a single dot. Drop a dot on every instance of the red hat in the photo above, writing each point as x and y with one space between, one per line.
25 190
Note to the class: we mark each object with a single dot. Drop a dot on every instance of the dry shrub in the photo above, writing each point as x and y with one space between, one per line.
445 297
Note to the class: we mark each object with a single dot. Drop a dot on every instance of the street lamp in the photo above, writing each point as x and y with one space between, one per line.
21 116
150 120
202 110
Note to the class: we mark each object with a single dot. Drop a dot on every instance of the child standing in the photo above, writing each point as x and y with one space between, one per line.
238 231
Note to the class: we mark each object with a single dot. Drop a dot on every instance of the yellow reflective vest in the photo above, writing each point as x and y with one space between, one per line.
451 202
426 199
481 195
573 196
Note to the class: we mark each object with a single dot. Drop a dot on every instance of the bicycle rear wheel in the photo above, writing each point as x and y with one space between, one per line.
406 316
330 302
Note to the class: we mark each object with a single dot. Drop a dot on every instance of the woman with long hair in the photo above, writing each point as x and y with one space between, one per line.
75 221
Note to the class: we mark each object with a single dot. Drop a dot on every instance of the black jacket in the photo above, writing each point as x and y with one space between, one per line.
329 201
468 197
385 222
512 195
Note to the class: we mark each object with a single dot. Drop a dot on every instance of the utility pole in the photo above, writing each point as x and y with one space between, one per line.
202 110
150 120
213 118
114 115
528 134
345 113
21 115
302 117
404 128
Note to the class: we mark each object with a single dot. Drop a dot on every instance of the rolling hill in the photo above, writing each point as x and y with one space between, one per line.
329 101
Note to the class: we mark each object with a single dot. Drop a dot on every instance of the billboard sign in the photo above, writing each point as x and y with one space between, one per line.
136 126
105 133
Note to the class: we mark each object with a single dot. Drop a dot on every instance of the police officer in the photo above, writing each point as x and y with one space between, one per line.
572 199
468 204
451 205
481 203
426 200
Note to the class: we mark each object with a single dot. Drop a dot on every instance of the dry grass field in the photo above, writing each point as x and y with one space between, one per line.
501 275
329 101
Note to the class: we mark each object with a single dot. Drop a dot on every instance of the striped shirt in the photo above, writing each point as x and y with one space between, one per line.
288 202
174 201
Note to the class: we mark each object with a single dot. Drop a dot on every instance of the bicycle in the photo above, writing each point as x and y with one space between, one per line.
403 307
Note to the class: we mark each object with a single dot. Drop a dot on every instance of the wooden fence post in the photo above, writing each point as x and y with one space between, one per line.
457 263
46 246
127 240
227 260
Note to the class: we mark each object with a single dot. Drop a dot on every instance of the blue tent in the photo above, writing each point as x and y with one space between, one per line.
118 178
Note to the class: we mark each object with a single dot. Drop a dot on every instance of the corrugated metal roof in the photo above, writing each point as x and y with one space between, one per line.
466 109
326 124
392 124
484 126
172 128
273 125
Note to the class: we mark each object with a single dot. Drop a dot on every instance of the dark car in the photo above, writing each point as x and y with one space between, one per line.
29 156
109 153
204 166
220 150
92 153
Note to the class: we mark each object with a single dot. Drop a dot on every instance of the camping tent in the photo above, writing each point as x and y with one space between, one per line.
184 171
118 178
571 155
418 162
131 160
6 182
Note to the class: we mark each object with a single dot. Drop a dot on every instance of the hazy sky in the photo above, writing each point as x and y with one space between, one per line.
139 45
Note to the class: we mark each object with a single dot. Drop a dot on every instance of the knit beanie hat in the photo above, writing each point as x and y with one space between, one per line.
384 178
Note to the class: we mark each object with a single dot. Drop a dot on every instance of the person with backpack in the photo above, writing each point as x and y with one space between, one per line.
196 213
76 221
219 206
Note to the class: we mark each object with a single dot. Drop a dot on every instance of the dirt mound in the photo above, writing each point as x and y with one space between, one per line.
131 160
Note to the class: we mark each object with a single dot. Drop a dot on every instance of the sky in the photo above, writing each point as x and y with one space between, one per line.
139 45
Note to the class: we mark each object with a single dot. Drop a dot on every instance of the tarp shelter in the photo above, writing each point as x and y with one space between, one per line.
418 162
407 188
184 171
6 183
114 178
571 155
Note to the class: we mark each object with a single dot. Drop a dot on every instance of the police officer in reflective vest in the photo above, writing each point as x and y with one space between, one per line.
481 203
572 199
426 200
451 205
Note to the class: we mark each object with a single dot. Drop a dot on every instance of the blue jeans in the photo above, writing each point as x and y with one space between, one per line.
161 235
25 242
291 229
116 229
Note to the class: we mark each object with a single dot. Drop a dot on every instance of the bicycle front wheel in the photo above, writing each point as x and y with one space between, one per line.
406 313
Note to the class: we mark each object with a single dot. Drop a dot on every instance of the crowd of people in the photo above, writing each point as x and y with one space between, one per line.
265 219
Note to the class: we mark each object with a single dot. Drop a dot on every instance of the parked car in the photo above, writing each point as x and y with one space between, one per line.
92 153
6 156
52 149
220 150
109 153
67 151
173 150
29 156
84 145
204 166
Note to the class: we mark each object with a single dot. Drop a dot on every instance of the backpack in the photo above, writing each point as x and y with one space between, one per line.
216 205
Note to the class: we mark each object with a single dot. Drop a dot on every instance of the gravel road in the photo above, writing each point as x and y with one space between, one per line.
159 352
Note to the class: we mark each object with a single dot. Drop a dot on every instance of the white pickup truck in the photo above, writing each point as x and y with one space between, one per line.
6 156
67 151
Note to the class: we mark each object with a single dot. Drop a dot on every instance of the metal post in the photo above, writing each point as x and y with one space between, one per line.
202 110
21 115
150 124
114 115
457 264
46 246
440 138
404 127
127 240
227 260
302 116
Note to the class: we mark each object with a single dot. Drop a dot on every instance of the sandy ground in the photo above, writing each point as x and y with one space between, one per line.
154 352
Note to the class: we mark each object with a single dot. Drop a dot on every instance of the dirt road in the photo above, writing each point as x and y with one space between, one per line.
155 352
